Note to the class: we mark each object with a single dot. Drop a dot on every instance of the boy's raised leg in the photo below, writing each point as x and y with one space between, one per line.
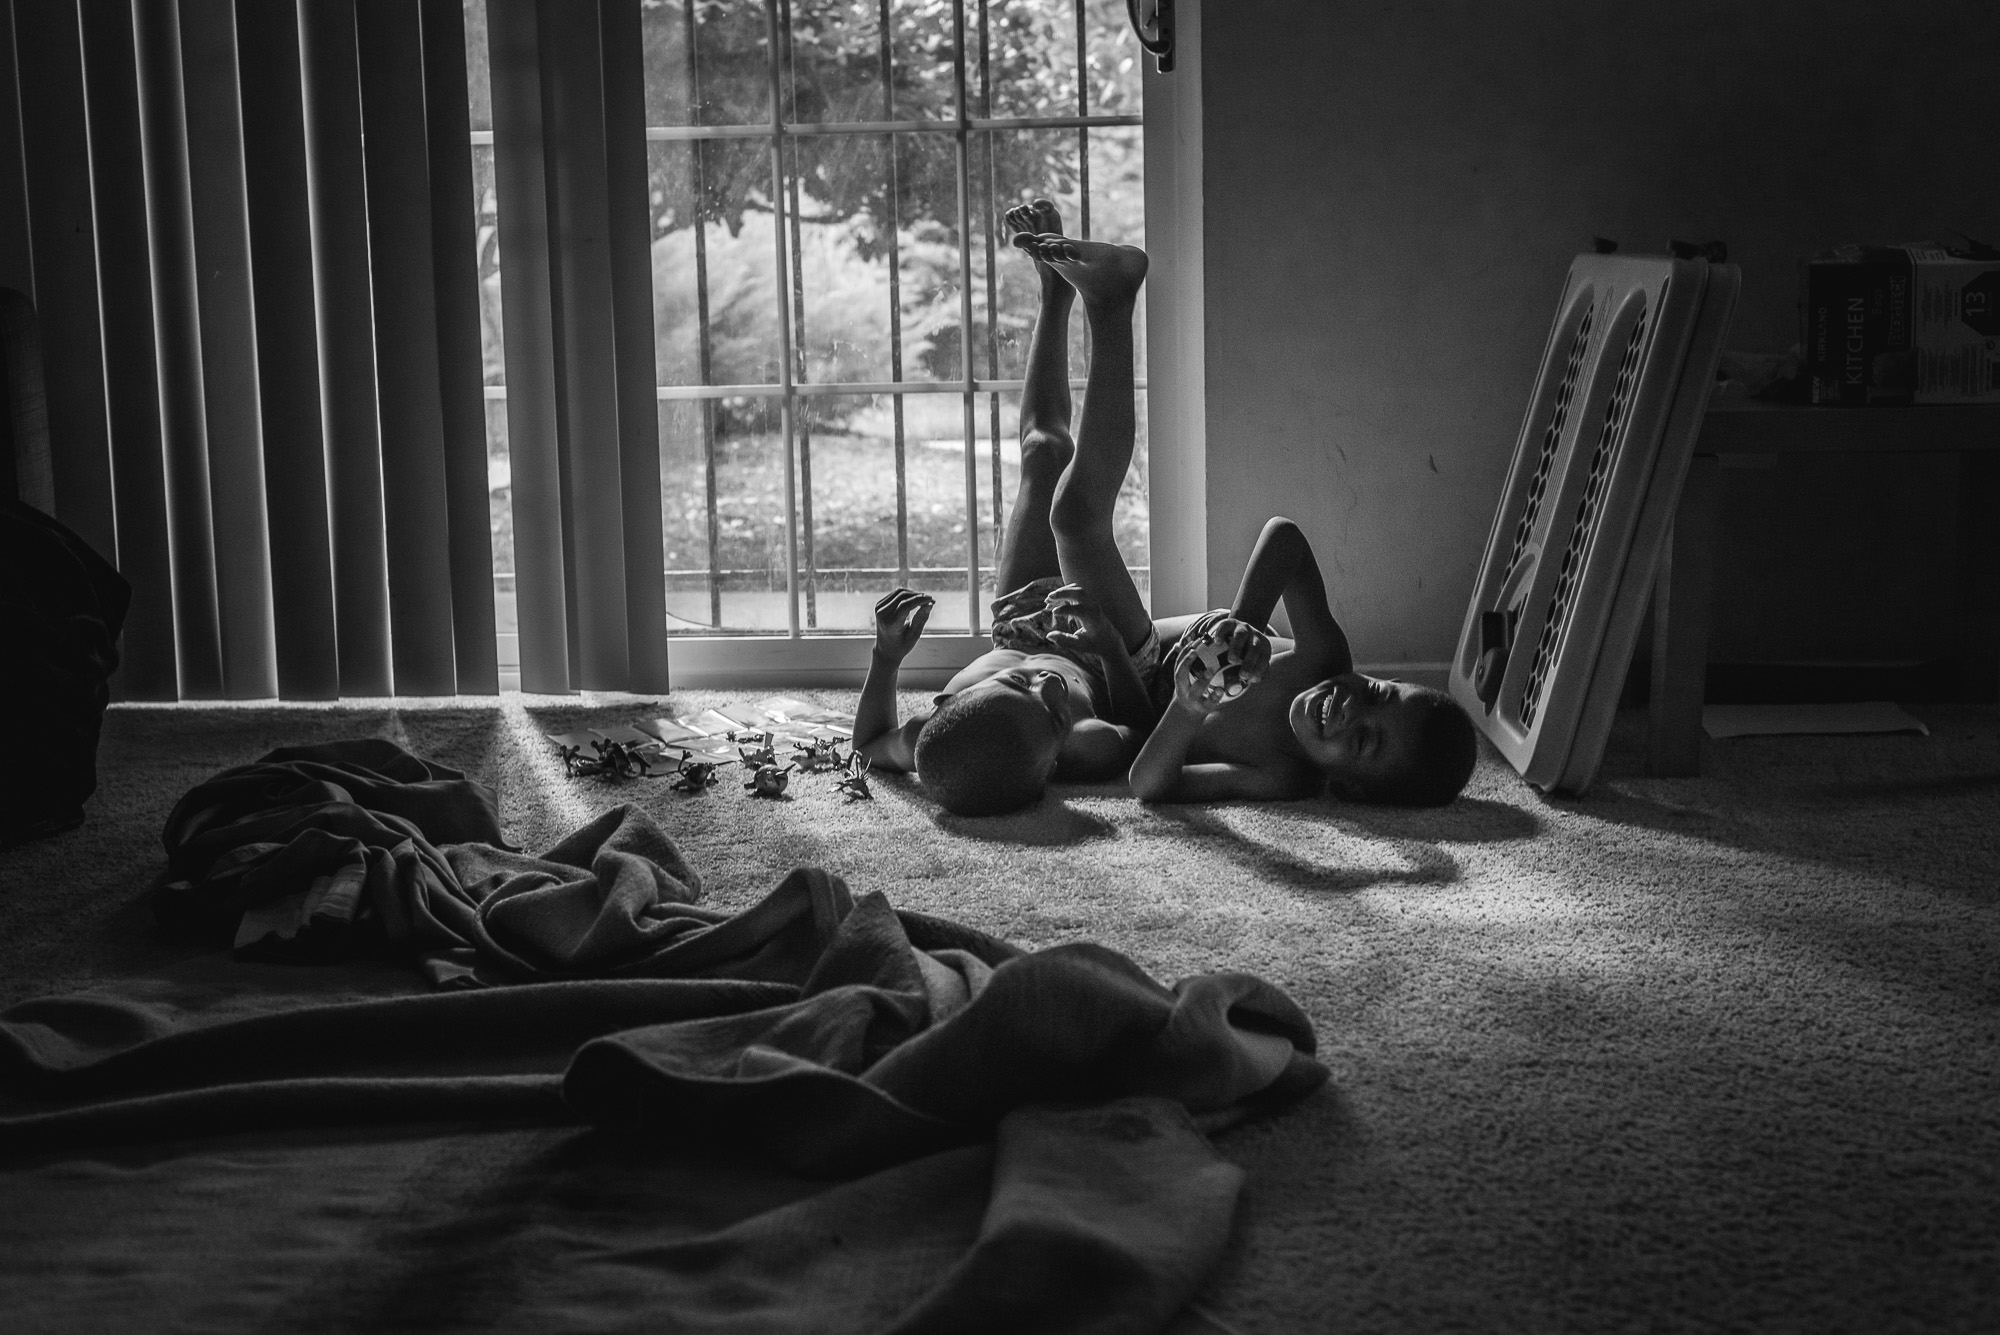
1107 278
1028 546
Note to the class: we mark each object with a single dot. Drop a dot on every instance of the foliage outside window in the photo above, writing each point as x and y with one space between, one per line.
893 265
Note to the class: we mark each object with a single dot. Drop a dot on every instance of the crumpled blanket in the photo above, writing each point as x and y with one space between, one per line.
317 852
1022 1132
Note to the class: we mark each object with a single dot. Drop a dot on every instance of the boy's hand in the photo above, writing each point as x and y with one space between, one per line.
1248 645
1081 624
899 622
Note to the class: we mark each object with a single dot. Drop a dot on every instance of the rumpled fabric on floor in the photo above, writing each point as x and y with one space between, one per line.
1020 1132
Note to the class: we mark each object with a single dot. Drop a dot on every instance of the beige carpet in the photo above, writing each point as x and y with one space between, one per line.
1700 1054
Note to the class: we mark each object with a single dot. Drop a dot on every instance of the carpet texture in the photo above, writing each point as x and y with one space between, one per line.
1716 1053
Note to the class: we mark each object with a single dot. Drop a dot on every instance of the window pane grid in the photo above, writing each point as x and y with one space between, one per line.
704 341
776 80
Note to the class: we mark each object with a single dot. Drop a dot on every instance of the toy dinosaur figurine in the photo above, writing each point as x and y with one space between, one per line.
693 776
759 756
820 753
614 760
768 781
854 780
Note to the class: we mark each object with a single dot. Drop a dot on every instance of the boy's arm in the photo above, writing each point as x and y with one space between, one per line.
1091 632
1096 750
1130 706
1161 772
899 624
1283 565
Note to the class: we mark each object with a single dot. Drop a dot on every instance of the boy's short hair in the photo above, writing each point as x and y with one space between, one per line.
1445 750
976 756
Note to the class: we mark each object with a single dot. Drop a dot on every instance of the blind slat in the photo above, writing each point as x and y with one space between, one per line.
347 343
280 226
455 264
146 669
527 326
177 347
63 233
390 43
228 348
630 231
586 352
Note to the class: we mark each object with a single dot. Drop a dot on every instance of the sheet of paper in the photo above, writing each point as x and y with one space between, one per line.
1784 720
666 730
820 721
709 723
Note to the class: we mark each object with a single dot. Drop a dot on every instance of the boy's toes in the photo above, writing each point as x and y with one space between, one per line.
1049 248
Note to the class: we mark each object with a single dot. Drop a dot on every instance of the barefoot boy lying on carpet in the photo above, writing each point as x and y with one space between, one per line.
1080 672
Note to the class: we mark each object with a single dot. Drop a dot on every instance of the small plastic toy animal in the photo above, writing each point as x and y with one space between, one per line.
693 776
820 753
854 780
614 760
760 755
768 781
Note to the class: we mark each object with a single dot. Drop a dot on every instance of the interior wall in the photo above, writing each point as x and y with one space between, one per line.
1392 194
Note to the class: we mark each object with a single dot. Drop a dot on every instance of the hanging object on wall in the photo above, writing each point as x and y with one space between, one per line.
1153 21
1588 507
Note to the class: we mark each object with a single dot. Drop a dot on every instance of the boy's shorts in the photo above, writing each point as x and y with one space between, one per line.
1027 630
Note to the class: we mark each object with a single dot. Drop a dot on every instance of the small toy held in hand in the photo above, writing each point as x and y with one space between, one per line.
768 781
693 776
1219 668
816 754
854 781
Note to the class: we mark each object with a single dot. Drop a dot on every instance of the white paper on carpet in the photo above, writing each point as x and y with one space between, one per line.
1779 720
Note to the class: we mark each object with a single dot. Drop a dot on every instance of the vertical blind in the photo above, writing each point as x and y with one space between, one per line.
251 369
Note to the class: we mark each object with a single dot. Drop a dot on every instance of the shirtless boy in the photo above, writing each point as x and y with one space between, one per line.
1074 691
1060 694
1307 719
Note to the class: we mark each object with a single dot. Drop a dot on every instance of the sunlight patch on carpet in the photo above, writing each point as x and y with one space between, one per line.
545 776
1312 844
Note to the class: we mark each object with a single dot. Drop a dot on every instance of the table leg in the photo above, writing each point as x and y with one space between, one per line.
1681 595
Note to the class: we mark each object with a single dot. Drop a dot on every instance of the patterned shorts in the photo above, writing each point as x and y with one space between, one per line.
1028 628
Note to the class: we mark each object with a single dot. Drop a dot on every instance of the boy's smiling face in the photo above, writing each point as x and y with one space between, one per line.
1358 729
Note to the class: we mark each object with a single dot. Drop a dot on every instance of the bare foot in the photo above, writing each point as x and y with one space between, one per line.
1037 218
1101 273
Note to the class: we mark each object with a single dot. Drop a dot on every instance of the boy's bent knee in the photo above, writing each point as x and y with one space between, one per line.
1076 513
1046 448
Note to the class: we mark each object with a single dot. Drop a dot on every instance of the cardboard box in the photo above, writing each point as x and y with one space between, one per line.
1901 324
